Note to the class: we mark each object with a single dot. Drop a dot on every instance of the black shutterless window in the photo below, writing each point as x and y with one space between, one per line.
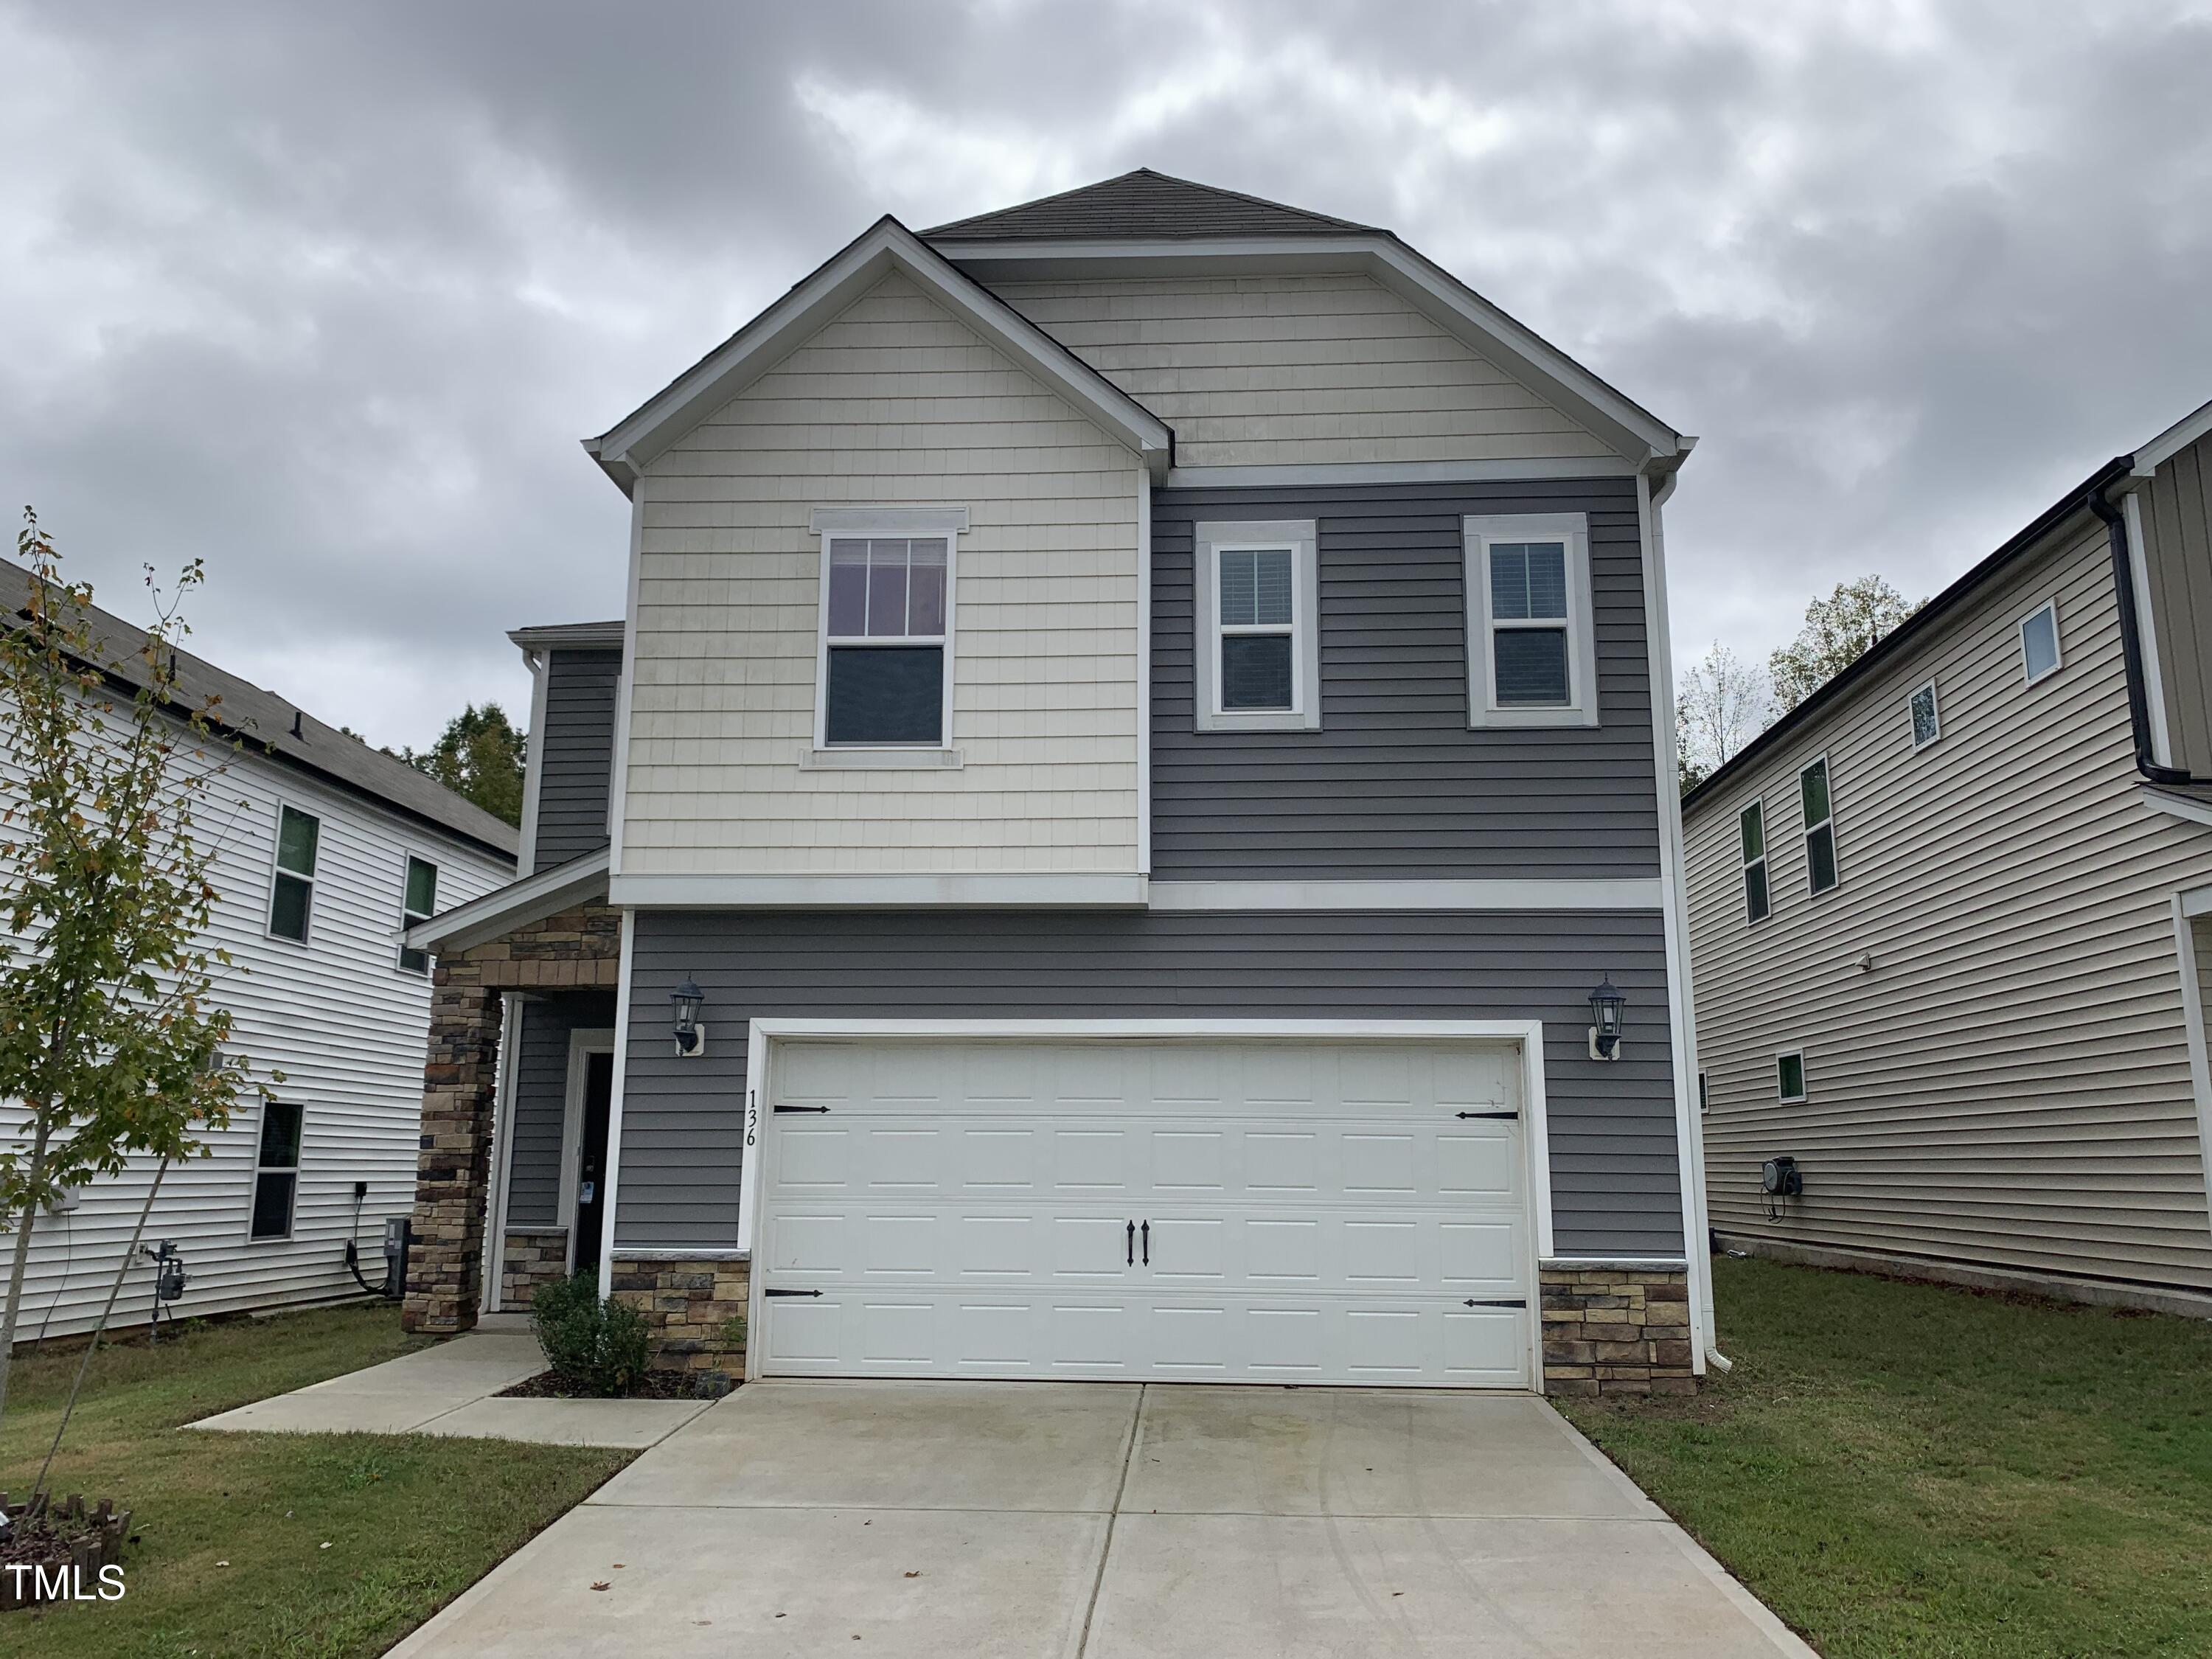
885 640
277 1169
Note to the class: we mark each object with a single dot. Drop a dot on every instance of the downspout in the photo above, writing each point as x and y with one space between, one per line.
2123 590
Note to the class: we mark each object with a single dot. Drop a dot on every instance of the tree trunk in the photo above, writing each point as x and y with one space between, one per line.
18 1267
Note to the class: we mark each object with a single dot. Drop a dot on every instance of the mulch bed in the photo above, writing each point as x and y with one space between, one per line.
43 1535
659 1384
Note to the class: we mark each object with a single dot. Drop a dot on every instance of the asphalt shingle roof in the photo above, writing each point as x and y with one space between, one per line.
1144 205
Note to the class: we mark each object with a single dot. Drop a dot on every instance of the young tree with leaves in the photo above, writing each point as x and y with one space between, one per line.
1723 703
481 757
110 1042
1838 630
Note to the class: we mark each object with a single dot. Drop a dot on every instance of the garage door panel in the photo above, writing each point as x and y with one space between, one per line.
1315 1213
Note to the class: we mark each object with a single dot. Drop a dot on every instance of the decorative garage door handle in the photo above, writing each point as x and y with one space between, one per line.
1459 1114
1148 1243
1501 1301
776 1293
1132 1244
802 1109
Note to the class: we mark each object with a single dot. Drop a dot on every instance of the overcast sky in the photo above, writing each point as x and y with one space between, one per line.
326 294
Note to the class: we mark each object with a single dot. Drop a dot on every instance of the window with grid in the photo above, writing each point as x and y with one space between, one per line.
1752 827
292 887
1820 826
1528 624
277 1169
1258 619
418 904
886 627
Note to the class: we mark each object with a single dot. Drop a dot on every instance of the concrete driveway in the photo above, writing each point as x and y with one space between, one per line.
1112 1522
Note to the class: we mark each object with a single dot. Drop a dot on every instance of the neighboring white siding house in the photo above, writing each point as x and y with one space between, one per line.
1981 1043
337 1014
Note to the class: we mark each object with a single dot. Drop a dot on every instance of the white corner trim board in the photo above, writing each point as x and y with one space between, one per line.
765 1032
1597 893
615 1104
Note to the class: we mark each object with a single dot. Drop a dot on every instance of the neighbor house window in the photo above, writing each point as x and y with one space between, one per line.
1258 663
1753 828
2038 642
420 904
1530 659
292 890
277 1170
1789 1076
886 630
1820 826
1927 718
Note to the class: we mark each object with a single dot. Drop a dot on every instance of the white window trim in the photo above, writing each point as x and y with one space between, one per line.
269 892
2057 642
295 1169
1210 541
1805 830
1483 709
1764 861
580 1043
928 523
411 918
1804 1078
1936 705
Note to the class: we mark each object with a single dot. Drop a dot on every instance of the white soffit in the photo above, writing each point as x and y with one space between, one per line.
633 442
1427 287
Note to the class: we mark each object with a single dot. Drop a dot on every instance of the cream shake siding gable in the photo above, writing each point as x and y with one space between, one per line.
1298 370
2007 1085
893 401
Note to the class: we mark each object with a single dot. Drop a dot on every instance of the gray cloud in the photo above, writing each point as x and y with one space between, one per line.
326 296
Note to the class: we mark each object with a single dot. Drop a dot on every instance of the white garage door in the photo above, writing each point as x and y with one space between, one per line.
1290 1211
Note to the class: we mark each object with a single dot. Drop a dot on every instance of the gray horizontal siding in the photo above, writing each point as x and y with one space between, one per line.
1395 786
574 754
1615 1175
541 1101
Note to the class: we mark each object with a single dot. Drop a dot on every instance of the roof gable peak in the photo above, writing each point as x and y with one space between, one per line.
1148 204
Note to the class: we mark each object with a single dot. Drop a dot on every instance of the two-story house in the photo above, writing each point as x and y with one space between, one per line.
1128 830
323 852
1951 922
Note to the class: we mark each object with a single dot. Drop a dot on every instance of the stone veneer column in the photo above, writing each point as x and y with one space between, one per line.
581 947
1623 1328
453 1169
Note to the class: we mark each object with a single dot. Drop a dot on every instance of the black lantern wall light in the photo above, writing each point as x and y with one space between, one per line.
1606 1004
690 1035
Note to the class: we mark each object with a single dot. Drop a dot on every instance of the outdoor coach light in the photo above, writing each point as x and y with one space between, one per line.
690 1035
1606 1004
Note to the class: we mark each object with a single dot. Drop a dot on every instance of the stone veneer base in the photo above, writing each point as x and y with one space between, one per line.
691 1302
1622 1330
532 1256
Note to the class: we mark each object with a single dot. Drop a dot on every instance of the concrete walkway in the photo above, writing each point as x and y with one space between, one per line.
1108 1522
449 1389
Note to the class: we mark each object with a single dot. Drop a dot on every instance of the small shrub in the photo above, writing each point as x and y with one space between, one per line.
598 1347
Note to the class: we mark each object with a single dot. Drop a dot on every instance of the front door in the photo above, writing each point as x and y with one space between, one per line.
591 1158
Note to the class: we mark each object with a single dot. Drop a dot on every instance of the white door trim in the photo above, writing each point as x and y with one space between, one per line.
493 1273
581 1041
1526 1034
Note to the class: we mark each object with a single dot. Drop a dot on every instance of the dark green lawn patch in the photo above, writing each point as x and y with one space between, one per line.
1913 1472
231 1558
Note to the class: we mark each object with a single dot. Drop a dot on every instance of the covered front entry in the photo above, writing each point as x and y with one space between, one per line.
1323 1209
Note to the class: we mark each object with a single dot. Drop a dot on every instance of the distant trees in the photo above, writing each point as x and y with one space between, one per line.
480 757
1721 702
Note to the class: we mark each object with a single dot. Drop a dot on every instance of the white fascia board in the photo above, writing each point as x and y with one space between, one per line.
633 443
908 891
2172 441
1632 430
2182 807
1386 472
534 897
1598 893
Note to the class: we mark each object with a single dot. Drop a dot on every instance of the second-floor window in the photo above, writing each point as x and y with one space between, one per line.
1257 667
886 638
420 904
1530 652
1752 825
2039 655
1820 826
291 886
1927 718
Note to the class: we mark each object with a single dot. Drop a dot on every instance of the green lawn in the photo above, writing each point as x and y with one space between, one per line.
1906 1472
409 1521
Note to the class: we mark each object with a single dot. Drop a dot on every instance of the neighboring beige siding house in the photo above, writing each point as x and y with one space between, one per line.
1951 920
